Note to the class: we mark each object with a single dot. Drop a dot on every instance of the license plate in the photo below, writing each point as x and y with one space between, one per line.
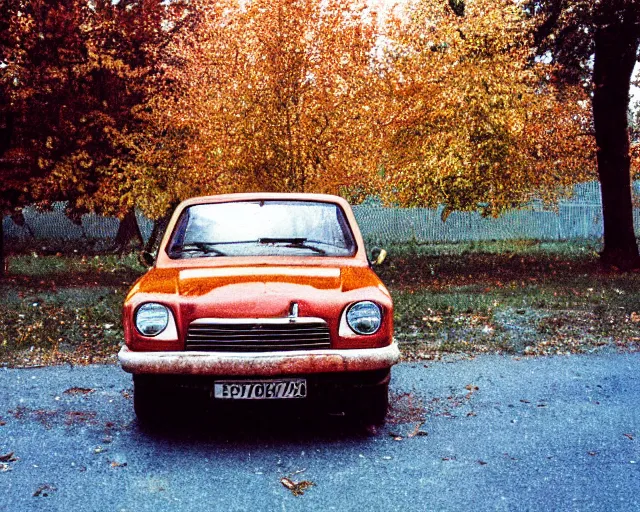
260 389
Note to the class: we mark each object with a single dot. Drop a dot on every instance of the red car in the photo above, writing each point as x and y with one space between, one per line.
261 297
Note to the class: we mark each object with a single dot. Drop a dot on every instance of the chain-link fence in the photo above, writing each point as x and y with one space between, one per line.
577 217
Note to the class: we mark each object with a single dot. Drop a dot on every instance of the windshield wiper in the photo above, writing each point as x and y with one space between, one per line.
268 240
204 247
298 243
209 247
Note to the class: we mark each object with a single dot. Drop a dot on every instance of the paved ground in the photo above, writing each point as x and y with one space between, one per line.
551 433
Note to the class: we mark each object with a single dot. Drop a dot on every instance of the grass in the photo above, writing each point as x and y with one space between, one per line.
517 297
58 309
520 298
57 266
575 248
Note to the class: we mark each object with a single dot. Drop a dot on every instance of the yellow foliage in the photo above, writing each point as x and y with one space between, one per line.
267 95
422 107
476 120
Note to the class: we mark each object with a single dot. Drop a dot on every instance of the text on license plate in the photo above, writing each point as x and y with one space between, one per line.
260 390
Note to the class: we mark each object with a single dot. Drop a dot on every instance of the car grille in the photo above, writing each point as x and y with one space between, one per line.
258 335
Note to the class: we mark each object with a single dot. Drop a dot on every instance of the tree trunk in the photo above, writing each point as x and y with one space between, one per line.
2 255
616 45
153 238
128 232
6 133
159 227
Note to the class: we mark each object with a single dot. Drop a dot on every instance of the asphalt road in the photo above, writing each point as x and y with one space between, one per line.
558 433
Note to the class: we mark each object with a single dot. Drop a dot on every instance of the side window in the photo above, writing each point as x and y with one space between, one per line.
180 230
347 236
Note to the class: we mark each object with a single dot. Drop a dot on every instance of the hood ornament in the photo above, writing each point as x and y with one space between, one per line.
293 311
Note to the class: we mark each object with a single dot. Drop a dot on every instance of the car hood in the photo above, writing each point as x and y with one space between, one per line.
265 280
255 291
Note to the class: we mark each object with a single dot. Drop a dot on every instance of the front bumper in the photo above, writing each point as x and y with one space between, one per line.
262 363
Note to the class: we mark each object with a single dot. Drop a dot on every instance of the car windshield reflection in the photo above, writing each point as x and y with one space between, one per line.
262 228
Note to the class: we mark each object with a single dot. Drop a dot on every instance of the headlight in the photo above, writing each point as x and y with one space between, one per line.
152 319
364 317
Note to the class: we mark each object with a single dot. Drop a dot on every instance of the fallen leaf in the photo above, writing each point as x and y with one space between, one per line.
9 457
296 488
288 483
417 432
42 490
78 391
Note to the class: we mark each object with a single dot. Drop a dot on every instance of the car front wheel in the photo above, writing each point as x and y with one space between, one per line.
373 405
146 403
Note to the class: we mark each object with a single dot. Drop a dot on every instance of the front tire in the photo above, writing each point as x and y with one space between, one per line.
374 405
146 403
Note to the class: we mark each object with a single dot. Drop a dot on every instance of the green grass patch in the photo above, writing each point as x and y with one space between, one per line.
573 249
516 297
56 309
47 267
529 300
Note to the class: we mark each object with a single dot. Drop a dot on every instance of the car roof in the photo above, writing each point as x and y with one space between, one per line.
256 196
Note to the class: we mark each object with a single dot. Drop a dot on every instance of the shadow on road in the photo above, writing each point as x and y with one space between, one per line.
255 424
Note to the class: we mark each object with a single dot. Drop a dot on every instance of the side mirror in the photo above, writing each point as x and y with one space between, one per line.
146 259
378 256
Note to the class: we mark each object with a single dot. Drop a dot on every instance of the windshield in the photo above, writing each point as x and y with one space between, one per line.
262 228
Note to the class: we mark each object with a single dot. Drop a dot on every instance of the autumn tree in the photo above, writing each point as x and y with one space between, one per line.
476 122
596 43
266 95
71 74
